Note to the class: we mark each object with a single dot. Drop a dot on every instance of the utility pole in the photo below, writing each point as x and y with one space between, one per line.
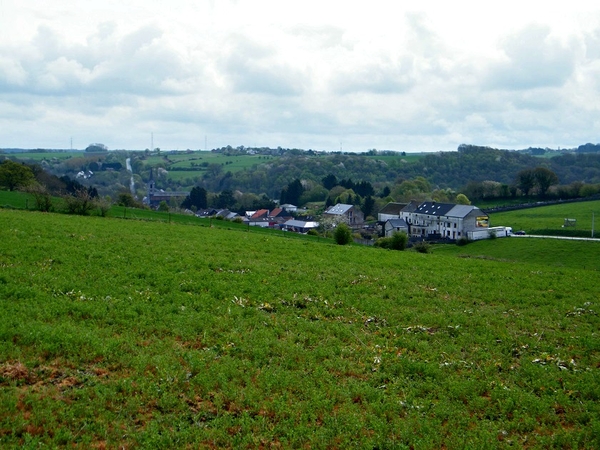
592 224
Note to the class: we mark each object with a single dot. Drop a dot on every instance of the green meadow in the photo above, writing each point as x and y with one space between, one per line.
189 165
550 219
140 334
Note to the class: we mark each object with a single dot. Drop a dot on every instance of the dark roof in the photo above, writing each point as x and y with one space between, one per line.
434 208
397 223
411 207
392 208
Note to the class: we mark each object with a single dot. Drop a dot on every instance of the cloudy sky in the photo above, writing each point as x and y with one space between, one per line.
321 74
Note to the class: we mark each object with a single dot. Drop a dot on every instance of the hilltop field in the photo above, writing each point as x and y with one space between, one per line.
131 333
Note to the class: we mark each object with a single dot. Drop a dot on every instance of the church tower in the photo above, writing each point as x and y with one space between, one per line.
151 186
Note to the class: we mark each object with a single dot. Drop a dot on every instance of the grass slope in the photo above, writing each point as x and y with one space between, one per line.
551 218
535 251
146 334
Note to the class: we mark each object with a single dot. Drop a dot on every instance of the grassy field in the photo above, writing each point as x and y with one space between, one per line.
133 334
409 157
195 160
543 252
39 156
548 218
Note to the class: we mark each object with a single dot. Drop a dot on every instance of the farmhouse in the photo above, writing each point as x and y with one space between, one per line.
345 213
390 211
443 220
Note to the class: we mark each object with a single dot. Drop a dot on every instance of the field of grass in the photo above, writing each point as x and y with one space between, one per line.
39 156
15 199
543 252
409 157
131 334
194 162
551 218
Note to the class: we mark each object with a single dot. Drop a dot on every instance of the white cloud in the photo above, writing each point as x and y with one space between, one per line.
309 74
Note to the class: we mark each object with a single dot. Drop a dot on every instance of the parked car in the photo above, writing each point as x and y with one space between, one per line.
520 233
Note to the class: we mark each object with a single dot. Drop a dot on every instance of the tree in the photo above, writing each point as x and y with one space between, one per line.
329 182
225 199
96 148
127 200
368 205
342 234
291 194
14 175
544 178
526 181
162 206
197 198
461 199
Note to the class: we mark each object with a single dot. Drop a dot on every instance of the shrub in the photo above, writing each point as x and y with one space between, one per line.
384 242
342 234
80 203
462 241
399 241
312 232
103 205
422 247
396 241
238 219
41 196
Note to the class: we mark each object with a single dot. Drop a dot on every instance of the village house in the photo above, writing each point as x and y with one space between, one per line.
390 211
300 226
443 220
265 218
349 214
392 226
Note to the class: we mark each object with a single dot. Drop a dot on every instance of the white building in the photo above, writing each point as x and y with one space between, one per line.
444 220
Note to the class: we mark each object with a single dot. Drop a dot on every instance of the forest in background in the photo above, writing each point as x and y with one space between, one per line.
246 178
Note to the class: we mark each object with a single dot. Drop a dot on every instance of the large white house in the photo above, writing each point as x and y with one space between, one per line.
444 220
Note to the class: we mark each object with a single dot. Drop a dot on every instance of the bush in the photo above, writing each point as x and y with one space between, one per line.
43 200
342 234
399 241
80 203
396 241
384 242
422 247
462 241
312 232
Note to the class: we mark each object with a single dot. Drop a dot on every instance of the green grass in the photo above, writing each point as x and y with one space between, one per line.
185 160
545 219
409 157
531 251
16 199
161 335
39 156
